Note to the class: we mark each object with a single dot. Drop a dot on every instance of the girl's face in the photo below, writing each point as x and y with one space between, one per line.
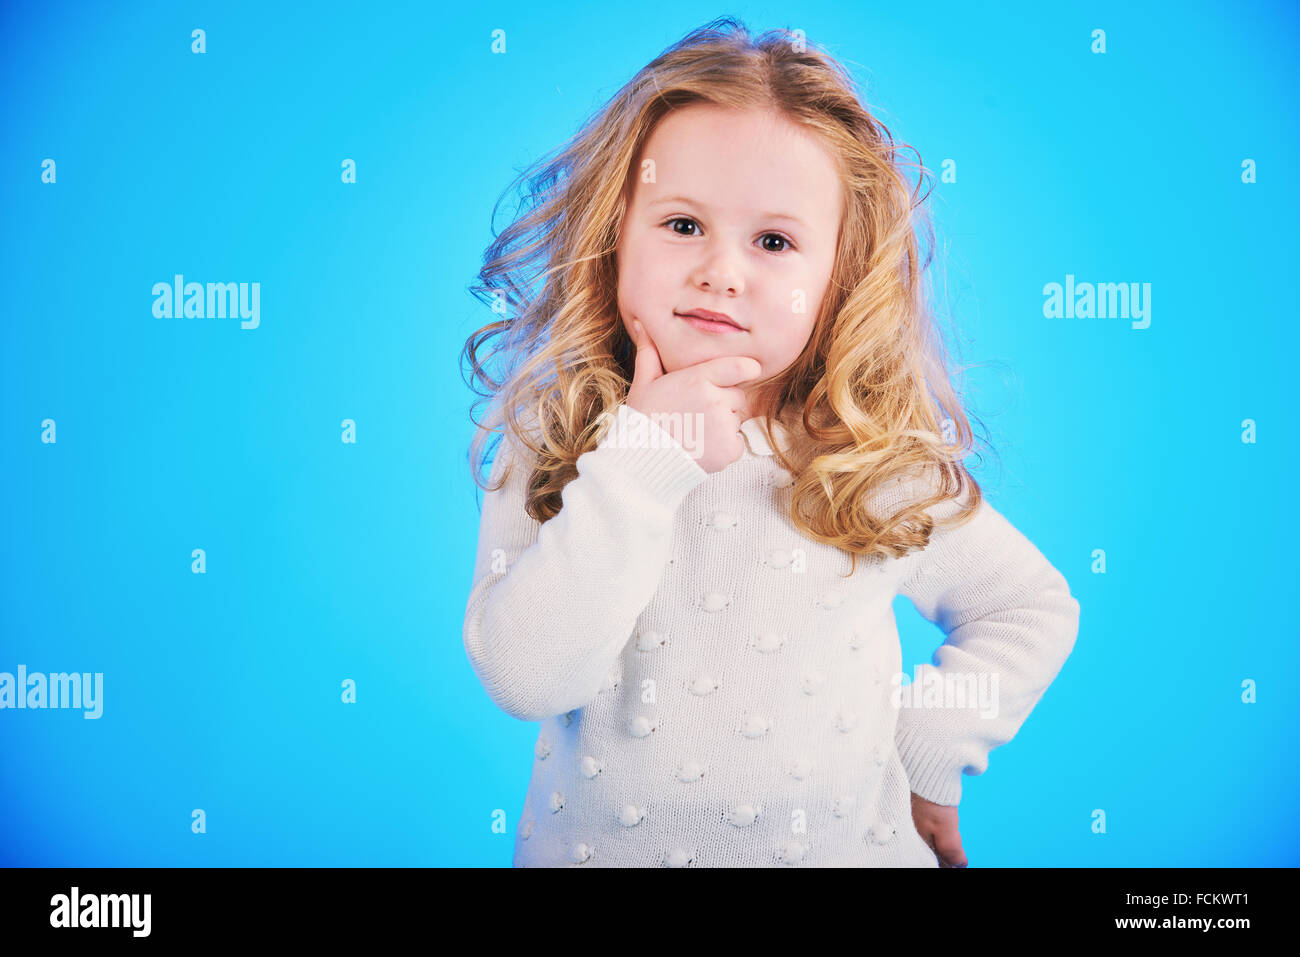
737 213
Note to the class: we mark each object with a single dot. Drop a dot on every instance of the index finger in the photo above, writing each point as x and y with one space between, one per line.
647 366
730 370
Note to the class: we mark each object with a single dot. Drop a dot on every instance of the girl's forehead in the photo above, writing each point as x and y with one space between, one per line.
723 124
722 161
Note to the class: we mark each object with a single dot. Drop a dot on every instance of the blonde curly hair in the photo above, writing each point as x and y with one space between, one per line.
870 390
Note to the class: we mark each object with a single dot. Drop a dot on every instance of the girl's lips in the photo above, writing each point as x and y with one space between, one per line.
711 326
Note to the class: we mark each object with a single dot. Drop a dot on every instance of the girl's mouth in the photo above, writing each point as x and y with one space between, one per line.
705 324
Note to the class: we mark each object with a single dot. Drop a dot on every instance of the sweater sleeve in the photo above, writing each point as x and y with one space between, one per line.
553 604
1008 617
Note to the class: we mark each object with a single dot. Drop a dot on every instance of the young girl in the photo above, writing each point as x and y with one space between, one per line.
725 451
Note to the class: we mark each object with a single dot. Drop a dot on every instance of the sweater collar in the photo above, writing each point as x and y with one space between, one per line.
752 429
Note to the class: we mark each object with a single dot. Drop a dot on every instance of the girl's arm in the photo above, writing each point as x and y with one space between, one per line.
553 604
1008 614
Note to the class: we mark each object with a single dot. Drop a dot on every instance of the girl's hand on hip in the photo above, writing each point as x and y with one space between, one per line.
937 825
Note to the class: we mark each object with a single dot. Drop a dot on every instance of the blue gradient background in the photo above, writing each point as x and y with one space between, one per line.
328 561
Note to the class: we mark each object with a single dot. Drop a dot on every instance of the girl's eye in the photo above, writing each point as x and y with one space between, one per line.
685 219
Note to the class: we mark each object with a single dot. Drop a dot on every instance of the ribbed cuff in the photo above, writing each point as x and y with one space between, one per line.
664 468
931 772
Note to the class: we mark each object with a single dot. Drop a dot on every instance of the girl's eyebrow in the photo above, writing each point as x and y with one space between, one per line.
687 199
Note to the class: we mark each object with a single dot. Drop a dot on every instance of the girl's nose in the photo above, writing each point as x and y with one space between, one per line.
719 273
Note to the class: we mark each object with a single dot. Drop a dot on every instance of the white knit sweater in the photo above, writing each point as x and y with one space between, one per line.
713 692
